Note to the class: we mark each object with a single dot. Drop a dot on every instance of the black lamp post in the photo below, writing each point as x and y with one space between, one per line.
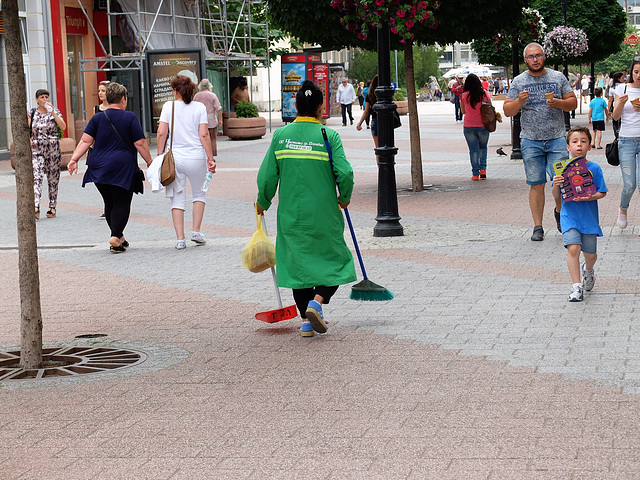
565 67
516 153
388 220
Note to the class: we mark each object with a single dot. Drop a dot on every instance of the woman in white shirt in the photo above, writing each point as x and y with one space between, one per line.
627 109
192 154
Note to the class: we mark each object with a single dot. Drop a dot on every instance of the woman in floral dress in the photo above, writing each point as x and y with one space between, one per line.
46 155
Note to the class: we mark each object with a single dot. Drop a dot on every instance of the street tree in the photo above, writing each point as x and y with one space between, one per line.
603 21
618 61
497 48
363 18
454 21
426 60
30 309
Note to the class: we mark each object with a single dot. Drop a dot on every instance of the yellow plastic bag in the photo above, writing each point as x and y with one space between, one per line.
260 253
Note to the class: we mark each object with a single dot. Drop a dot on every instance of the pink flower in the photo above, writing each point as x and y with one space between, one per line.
361 36
394 30
400 13
409 24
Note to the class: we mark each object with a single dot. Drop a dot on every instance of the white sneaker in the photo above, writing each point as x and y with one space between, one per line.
622 221
588 278
198 238
180 245
576 293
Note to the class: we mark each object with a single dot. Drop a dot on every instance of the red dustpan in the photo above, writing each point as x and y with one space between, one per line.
281 313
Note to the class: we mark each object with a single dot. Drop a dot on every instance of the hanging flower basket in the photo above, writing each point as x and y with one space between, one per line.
361 16
566 42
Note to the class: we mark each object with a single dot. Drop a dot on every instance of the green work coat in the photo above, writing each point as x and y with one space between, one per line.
310 246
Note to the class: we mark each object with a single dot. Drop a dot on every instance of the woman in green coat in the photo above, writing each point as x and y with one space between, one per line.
312 256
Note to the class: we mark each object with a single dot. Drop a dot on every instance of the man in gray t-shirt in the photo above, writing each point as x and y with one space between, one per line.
541 95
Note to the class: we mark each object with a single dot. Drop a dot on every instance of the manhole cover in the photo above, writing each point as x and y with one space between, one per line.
69 361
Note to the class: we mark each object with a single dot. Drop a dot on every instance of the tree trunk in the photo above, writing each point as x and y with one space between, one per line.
30 312
417 182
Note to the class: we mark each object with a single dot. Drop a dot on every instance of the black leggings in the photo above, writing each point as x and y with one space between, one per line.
117 206
303 296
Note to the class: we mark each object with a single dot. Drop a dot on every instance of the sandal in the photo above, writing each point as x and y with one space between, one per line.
124 244
51 213
37 213
118 249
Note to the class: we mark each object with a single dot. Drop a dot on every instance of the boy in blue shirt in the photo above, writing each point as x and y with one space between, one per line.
579 218
597 111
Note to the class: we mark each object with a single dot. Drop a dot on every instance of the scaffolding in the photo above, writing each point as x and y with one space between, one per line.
226 29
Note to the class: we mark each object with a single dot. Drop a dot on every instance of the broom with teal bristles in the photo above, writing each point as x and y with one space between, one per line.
366 289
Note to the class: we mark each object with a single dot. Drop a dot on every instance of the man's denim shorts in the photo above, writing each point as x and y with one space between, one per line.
587 241
539 157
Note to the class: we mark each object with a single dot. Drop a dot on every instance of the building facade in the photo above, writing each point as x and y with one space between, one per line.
56 36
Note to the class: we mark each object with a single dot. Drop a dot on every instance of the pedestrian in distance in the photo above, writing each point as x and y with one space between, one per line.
597 113
192 153
369 111
584 86
211 102
365 92
475 133
345 97
44 121
240 94
117 138
456 92
626 109
579 218
541 95
102 96
312 256
360 94
615 80
101 107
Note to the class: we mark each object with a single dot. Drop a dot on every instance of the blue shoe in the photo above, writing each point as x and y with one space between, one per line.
306 330
314 314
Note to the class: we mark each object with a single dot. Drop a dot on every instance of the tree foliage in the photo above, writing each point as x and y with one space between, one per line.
314 23
425 63
620 60
604 22
498 48
464 20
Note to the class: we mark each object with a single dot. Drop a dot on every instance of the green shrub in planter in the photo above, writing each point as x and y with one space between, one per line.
398 96
246 109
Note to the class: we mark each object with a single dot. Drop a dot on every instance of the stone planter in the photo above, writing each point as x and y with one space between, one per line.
225 117
67 146
245 128
403 106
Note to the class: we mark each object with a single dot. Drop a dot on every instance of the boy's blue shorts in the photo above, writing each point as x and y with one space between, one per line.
587 241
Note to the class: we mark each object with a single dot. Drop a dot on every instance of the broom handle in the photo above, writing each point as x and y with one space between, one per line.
346 210
273 269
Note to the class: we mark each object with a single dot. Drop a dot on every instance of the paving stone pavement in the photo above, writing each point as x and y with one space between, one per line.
478 368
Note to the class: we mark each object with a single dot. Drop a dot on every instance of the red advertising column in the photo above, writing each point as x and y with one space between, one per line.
59 60
321 79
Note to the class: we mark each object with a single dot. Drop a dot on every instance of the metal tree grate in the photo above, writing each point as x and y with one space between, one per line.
67 361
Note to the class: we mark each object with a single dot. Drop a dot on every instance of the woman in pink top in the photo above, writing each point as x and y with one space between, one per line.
474 132
214 111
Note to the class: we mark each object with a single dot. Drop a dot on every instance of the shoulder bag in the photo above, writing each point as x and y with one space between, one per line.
168 168
137 183
488 114
396 119
611 149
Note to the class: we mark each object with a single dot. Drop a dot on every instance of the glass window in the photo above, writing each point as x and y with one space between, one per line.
23 35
